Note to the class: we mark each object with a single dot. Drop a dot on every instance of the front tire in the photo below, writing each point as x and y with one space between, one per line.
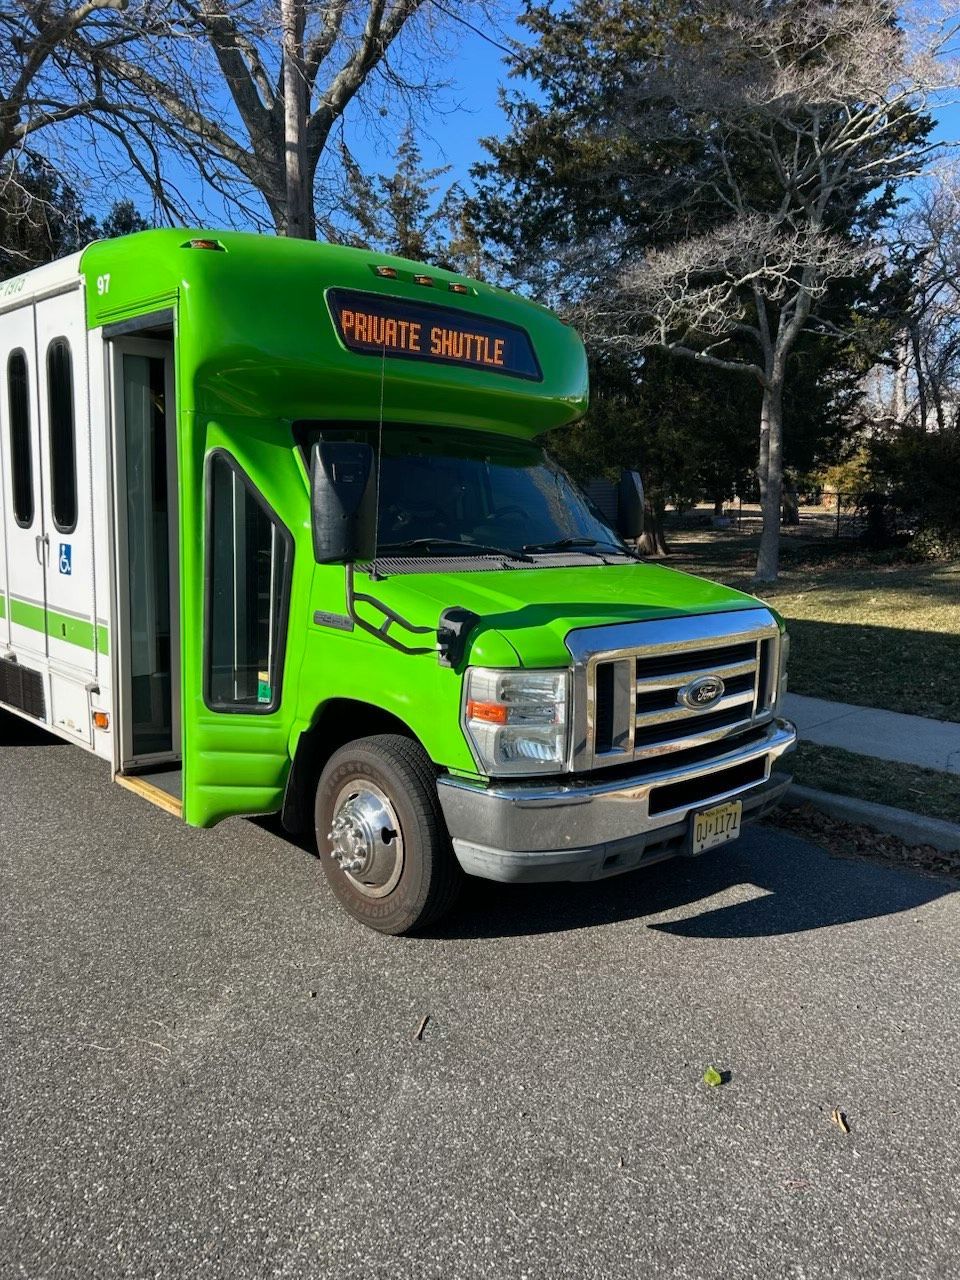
382 839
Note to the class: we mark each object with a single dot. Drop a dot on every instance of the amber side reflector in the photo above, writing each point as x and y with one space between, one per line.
206 244
425 280
454 287
388 273
491 712
101 720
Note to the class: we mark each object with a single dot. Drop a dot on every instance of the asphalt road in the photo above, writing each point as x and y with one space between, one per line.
207 1070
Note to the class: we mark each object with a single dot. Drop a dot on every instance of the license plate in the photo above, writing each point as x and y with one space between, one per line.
716 826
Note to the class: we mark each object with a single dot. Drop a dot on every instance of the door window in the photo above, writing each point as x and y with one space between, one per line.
21 452
63 444
148 553
249 558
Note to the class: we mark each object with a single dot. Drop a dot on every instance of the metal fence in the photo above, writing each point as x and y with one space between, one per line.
830 513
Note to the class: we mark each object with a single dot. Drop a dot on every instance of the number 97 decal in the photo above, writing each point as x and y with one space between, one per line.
103 284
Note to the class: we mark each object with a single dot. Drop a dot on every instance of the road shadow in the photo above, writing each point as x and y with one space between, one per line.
802 887
15 732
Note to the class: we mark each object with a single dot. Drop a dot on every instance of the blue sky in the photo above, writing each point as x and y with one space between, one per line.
469 108
477 71
468 111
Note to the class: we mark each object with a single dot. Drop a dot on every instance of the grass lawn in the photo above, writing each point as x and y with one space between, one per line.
904 786
865 628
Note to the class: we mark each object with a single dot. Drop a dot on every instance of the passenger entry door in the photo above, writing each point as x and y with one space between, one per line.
147 552
71 615
23 491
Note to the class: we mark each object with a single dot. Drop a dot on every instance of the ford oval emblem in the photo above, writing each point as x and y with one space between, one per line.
701 693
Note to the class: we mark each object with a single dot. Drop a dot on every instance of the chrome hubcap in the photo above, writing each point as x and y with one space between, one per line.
365 839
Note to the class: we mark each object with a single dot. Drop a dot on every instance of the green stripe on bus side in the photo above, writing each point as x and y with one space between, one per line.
26 615
78 631
3 606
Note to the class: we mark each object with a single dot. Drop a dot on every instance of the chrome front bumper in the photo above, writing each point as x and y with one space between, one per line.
584 831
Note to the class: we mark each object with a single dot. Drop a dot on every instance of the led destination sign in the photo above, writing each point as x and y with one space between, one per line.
373 325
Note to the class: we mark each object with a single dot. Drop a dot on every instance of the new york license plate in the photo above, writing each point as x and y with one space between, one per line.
716 826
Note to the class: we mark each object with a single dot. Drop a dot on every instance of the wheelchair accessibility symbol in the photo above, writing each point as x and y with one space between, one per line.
66 558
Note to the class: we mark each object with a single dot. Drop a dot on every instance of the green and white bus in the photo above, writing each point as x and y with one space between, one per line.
280 535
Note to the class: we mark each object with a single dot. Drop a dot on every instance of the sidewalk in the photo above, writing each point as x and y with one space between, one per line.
886 735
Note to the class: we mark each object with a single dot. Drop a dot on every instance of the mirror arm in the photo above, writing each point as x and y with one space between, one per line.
451 635
390 617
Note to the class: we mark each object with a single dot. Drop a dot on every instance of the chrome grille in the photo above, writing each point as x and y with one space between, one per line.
629 677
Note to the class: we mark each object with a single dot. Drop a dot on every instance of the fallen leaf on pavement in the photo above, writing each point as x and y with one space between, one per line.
712 1077
840 1120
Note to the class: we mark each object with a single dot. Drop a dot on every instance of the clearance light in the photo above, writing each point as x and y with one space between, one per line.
424 280
207 244
388 273
517 721
455 287
101 720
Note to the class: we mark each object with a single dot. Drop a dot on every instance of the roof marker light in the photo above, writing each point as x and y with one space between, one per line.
455 287
205 244
424 280
388 273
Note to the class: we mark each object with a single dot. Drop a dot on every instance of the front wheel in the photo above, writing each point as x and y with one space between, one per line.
381 835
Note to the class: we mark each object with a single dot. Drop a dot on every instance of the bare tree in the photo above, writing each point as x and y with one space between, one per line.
42 83
927 380
253 90
824 102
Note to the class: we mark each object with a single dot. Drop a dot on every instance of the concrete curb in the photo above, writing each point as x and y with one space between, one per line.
912 828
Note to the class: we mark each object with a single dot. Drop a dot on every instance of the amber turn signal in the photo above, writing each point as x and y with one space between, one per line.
491 712
101 720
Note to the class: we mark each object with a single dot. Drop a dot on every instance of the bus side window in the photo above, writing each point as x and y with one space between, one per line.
249 556
63 445
21 454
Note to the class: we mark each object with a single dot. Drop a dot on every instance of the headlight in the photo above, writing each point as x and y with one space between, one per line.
517 720
782 673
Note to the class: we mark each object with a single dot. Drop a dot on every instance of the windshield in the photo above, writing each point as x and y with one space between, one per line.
447 492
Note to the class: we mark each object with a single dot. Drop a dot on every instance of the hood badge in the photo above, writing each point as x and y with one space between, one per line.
701 693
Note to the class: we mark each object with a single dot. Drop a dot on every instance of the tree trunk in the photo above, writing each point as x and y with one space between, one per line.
900 382
298 218
771 484
718 506
921 379
652 541
763 460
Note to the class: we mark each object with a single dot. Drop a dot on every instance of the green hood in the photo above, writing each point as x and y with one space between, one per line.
534 609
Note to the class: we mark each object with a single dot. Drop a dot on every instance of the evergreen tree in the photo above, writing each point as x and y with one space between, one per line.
123 220
42 218
406 212
658 181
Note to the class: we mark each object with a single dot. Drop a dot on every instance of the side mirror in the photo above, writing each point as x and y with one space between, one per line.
343 502
630 505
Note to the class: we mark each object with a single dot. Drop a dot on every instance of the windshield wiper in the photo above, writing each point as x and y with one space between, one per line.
573 544
451 544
